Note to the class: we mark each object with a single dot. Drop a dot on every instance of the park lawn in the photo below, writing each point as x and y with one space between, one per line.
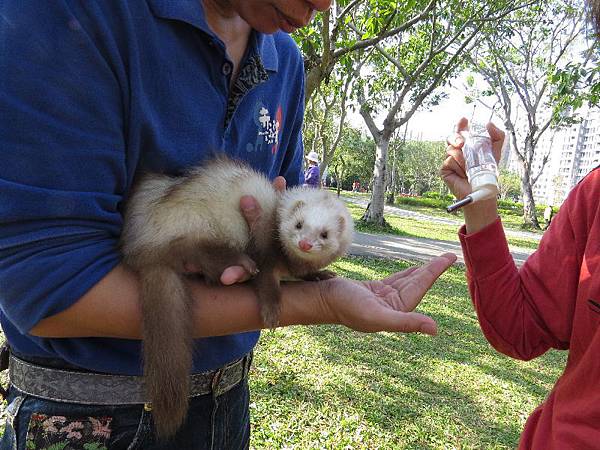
406 226
326 387
509 221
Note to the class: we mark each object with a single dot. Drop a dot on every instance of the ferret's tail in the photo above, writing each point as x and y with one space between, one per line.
168 346
268 291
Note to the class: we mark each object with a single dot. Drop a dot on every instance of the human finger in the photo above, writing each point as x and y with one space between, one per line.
455 140
234 274
451 257
251 209
455 179
396 276
423 277
426 274
462 124
386 319
413 288
279 184
404 273
497 136
455 162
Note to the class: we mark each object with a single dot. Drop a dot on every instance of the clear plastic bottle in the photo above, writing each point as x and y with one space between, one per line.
481 167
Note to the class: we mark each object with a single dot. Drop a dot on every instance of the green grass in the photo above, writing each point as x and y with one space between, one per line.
406 226
509 221
326 387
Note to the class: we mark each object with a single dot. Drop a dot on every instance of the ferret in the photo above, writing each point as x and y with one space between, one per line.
196 219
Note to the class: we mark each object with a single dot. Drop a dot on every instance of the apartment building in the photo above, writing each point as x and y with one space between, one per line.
573 152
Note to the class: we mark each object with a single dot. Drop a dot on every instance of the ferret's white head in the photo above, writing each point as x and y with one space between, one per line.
314 225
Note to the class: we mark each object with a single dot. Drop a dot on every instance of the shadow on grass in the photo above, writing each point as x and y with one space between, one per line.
390 385
418 391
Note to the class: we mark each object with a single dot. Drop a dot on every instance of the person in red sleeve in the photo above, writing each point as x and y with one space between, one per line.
552 301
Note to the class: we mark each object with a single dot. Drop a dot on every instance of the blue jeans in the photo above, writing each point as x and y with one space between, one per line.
214 422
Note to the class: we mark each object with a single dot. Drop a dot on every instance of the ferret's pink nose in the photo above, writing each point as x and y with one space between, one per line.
304 245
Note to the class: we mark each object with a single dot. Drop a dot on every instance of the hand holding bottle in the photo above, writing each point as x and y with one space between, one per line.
454 174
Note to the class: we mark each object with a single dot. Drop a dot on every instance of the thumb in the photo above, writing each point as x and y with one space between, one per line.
234 274
251 210
497 137
496 134
427 274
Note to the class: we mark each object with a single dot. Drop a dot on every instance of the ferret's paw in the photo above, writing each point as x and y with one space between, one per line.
248 264
270 315
319 276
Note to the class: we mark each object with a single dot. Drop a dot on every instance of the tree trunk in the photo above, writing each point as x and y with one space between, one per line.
311 81
529 215
391 187
374 213
524 159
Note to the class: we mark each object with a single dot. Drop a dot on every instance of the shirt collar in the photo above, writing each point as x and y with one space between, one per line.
192 12
188 11
265 44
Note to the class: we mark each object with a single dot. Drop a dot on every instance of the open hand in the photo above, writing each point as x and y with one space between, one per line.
384 305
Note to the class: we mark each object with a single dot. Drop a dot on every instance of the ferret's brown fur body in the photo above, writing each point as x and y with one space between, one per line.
196 219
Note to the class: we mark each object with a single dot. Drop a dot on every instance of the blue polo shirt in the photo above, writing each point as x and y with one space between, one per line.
93 93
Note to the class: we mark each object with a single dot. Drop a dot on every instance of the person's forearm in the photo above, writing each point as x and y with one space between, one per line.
480 214
233 309
112 309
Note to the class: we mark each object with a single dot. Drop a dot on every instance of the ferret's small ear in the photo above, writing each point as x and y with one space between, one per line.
299 204
341 223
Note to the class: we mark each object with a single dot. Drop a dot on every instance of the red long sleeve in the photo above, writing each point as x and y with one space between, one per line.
552 301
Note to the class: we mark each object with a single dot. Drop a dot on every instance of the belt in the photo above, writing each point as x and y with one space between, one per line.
105 389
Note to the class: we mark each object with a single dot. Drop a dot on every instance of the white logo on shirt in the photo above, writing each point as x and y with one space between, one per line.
270 127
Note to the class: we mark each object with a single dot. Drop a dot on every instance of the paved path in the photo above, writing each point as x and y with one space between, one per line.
420 249
414 249
394 210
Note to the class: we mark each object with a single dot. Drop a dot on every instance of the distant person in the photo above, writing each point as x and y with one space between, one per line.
552 301
312 174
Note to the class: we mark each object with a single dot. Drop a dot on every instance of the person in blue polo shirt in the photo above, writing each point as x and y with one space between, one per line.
92 94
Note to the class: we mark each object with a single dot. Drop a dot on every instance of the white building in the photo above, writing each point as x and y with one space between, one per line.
573 152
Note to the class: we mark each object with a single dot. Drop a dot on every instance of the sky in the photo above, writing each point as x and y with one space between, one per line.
440 121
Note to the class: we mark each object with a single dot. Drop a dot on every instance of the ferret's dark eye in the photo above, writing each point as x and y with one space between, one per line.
324 234
299 225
